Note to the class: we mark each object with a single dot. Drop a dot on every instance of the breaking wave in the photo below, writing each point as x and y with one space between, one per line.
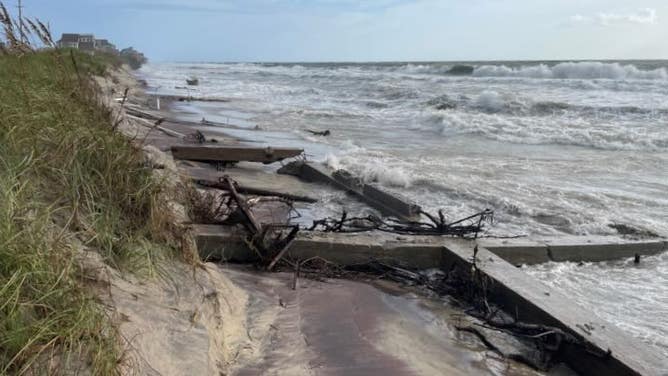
439 69
492 102
579 70
552 130
371 171
567 70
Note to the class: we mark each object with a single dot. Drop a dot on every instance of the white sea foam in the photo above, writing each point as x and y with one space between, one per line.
611 290
370 170
544 130
418 68
574 70
332 161
490 101
377 172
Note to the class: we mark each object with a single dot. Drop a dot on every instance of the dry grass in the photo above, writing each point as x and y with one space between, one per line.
67 181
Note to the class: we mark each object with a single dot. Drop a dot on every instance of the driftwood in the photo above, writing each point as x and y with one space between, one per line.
141 114
468 226
196 137
268 241
284 246
155 124
250 222
320 133
266 192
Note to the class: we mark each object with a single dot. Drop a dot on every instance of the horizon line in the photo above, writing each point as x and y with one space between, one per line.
411 61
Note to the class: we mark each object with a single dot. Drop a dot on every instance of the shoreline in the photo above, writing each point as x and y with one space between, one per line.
225 140
396 354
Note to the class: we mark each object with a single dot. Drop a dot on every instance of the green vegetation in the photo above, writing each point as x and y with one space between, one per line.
133 58
68 182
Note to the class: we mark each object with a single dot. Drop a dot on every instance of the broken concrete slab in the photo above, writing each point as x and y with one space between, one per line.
254 181
222 243
226 244
517 251
610 351
142 113
412 251
595 249
418 252
531 251
228 154
371 194
250 178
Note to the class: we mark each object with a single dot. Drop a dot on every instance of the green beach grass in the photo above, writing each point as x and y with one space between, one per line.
68 182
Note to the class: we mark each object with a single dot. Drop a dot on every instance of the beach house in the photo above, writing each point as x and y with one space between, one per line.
86 42
69 41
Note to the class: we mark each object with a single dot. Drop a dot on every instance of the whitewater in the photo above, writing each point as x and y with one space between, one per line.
554 148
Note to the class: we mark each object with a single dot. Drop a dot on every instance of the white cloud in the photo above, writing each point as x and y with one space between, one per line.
645 16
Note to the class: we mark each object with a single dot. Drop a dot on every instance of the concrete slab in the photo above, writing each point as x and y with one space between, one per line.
347 249
221 243
517 251
218 153
595 249
252 178
371 194
224 243
591 248
419 251
534 302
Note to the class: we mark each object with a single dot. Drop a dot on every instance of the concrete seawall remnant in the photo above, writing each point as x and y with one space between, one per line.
576 249
421 252
375 197
609 351
214 153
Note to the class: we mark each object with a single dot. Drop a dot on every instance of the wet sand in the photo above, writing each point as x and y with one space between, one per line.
342 327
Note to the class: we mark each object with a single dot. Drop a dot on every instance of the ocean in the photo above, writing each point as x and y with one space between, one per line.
554 148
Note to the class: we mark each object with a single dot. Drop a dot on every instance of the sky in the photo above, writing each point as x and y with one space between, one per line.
372 30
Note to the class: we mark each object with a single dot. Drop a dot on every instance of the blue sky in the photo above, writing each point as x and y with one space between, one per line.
372 30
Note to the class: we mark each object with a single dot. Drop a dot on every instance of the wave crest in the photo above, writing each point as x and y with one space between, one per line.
372 170
575 70
538 131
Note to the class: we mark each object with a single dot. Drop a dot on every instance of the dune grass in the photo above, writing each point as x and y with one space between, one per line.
68 183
